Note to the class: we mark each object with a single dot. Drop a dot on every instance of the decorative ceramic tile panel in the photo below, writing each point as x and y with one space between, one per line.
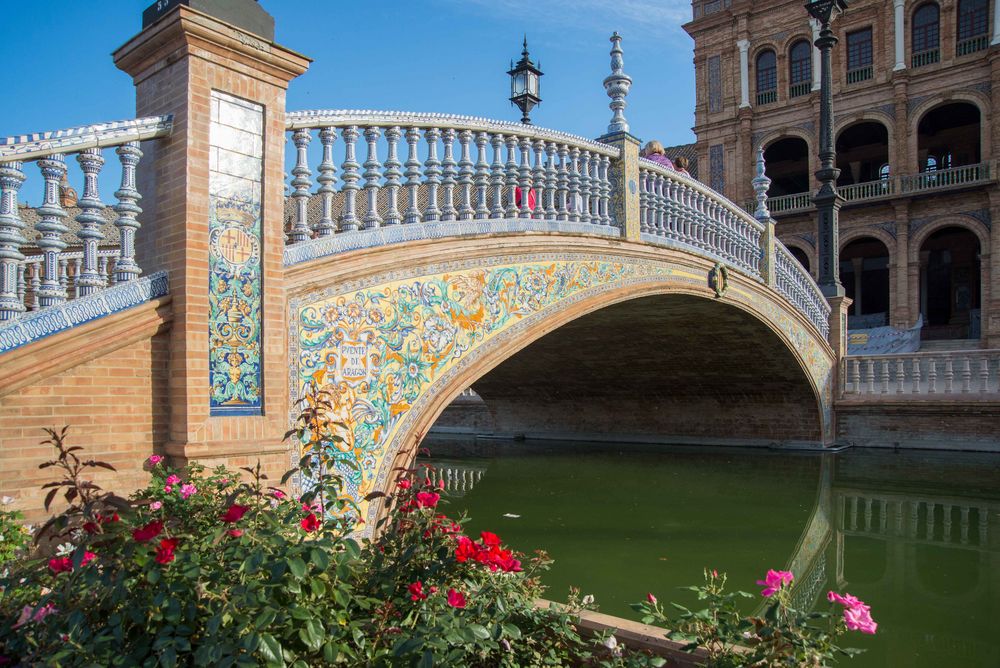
716 167
235 168
715 84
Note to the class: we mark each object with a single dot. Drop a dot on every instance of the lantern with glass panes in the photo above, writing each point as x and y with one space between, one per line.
524 84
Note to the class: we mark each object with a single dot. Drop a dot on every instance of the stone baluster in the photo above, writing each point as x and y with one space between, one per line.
497 176
574 184
511 181
538 180
373 174
450 171
51 226
931 512
662 198
946 522
63 273
605 190
949 375
301 183
326 226
885 377
465 172
524 178
562 183
964 526
551 181
983 521
915 379
655 203
585 186
351 176
966 375
900 376
413 165
931 376
984 375
868 514
36 283
853 377
870 375
644 198
482 177
102 268
393 174
128 210
11 240
432 173
88 279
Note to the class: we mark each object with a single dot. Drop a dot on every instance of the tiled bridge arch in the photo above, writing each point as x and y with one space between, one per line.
397 332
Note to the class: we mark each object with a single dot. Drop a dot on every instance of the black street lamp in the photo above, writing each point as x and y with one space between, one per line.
826 199
524 84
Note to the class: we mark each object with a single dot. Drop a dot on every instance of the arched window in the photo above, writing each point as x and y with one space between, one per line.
883 172
800 68
931 164
926 35
973 26
767 77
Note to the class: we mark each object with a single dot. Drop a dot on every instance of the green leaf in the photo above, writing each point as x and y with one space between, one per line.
270 649
330 652
479 631
265 619
405 647
297 567
427 660
511 631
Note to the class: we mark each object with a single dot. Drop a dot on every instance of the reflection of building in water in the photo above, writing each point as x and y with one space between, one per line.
458 478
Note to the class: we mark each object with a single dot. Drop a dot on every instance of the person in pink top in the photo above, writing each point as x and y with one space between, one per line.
654 151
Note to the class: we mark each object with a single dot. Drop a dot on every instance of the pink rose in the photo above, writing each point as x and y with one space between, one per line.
187 490
774 580
172 479
154 460
155 505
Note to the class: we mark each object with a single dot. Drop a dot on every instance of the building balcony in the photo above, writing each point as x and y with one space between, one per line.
956 178
923 58
860 74
971 45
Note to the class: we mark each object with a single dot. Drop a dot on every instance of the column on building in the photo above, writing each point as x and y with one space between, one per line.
816 63
996 24
899 292
744 46
899 34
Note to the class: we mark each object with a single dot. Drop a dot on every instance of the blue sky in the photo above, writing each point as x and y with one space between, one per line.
422 55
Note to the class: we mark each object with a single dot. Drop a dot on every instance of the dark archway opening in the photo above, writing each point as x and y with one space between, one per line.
864 272
787 162
799 255
948 136
863 153
667 368
950 284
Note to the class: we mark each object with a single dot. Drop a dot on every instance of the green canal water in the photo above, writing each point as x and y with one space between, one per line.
914 534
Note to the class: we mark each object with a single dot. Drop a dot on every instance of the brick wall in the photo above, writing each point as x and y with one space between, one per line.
114 401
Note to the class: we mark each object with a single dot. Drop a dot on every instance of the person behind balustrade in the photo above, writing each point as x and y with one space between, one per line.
681 165
654 151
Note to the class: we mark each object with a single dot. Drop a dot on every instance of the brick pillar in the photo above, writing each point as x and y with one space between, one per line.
839 306
213 219
899 287
990 264
624 177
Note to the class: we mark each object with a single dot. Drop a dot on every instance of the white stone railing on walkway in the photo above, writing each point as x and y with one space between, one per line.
42 281
797 286
678 211
953 374
463 174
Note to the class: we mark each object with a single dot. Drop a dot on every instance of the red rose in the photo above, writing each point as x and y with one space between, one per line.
403 483
235 533
490 539
310 522
235 513
456 599
416 590
165 552
61 565
148 532
87 558
427 499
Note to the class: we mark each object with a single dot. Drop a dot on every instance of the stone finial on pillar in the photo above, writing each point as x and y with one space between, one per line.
767 239
617 85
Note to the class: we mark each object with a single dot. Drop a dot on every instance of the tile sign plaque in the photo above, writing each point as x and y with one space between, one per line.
234 259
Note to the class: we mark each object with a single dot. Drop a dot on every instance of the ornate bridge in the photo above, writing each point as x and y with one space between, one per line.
546 269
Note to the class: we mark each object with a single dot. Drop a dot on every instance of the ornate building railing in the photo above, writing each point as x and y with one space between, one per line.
441 174
956 177
677 211
971 45
42 280
868 190
903 376
798 287
928 57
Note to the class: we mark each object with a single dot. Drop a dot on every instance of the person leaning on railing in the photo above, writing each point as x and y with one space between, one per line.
654 151
681 165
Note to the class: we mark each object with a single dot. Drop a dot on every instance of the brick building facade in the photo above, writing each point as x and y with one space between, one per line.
915 84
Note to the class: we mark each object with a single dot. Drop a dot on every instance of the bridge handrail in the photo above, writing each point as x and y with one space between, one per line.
795 283
322 118
953 373
72 140
49 151
677 209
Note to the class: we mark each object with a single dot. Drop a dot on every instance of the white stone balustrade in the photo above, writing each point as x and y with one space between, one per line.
458 169
797 286
36 269
953 374
678 211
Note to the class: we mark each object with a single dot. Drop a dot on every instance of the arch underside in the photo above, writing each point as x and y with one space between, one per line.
394 348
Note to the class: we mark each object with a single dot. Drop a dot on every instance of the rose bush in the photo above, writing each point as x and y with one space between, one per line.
222 568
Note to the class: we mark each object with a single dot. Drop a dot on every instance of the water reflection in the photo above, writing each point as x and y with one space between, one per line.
914 534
